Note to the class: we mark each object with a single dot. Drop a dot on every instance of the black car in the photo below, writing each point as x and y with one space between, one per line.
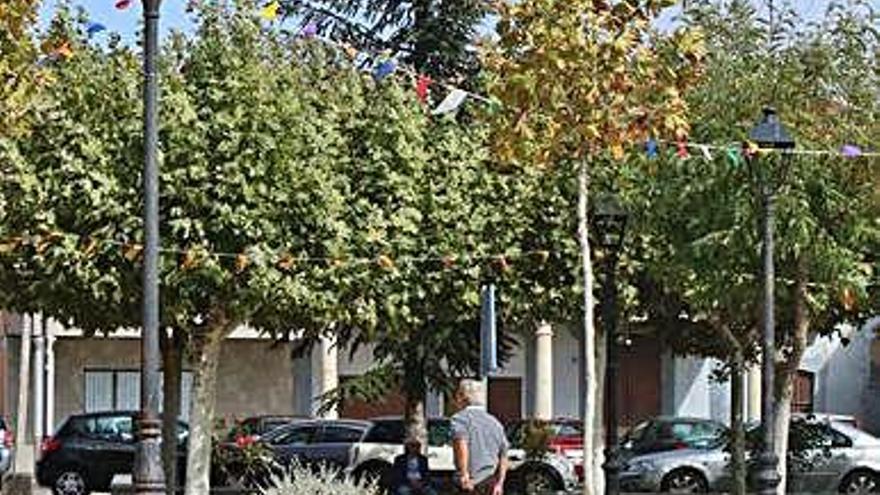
257 426
89 450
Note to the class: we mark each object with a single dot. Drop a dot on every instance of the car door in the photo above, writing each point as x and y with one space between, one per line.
117 436
440 456
292 444
334 445
814 452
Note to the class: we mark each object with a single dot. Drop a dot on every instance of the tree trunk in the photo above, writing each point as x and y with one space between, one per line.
172 367
787 370
589 332
206 353
738 450
599 421
416 423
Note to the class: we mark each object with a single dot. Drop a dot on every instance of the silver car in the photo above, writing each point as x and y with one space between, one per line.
830 457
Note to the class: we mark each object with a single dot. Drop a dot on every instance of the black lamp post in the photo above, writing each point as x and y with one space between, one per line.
609 222
148 475
769 133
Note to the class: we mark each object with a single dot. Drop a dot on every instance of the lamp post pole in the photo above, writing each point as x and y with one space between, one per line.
609 220
148 475
769 133
612 452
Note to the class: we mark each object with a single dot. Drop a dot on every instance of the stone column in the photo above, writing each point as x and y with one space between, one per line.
753 396
325 375
543 372
39 368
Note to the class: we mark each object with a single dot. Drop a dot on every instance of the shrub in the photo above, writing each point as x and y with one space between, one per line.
323 481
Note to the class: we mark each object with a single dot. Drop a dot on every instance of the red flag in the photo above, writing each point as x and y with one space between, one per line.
422 85
682 148
123 4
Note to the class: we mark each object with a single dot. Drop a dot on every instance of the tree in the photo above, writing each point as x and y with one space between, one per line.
578 81
706 258
434 36
18 69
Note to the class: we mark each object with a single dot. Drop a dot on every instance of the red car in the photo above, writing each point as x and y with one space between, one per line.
566 436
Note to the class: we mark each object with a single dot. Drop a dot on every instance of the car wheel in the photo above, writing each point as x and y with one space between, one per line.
684 481
70 482
533 481
861 482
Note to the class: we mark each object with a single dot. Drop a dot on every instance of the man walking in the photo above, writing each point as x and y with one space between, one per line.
479 443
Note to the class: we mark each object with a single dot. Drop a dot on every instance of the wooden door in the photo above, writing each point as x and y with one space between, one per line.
802 399
505 398
638 381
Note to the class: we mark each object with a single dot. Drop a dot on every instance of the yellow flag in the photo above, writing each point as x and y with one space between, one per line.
270 12
617 151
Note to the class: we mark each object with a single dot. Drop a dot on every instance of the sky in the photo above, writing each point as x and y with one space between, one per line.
173 16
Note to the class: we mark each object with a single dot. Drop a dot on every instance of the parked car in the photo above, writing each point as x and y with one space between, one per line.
566 437
6 443
256 426
368 449
89 449
826 456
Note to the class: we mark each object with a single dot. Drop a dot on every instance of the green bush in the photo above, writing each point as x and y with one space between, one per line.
324 481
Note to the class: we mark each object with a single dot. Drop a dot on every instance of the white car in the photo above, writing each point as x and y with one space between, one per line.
368 448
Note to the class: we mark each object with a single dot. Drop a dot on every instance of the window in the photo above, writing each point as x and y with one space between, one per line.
296 435
113 428
439 433
386 432
341 434
120 390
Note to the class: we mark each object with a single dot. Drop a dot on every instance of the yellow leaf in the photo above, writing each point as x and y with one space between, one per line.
241 262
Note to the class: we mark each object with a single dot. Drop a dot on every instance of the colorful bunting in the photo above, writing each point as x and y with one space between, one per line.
123 4
751 149
270 11
850 151
734 156
384 70
848 299
95 28
451 103
241 262
682 149
651 149
64 51
706 153
132 252
617 151
310 30
423 84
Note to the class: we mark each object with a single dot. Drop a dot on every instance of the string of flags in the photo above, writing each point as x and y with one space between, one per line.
193 257
456 97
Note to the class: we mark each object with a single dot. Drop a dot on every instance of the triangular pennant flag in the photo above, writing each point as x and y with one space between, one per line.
733 156
651 148
423 84
617 151
384 70
270 11
123 4
64 51
451 103
682 149
704 149
95 28
850 151
310 30
751 149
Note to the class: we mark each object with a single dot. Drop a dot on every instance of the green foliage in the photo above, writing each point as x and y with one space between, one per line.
18 70
434 36
324 481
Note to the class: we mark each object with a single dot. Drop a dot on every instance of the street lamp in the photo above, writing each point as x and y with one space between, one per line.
609 225
769 133
148 475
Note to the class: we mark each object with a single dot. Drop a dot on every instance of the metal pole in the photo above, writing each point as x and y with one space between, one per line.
148 476
768 476
612 367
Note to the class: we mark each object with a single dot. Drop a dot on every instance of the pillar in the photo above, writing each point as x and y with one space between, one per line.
325 376
24 453
39 378
544 372
753 396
